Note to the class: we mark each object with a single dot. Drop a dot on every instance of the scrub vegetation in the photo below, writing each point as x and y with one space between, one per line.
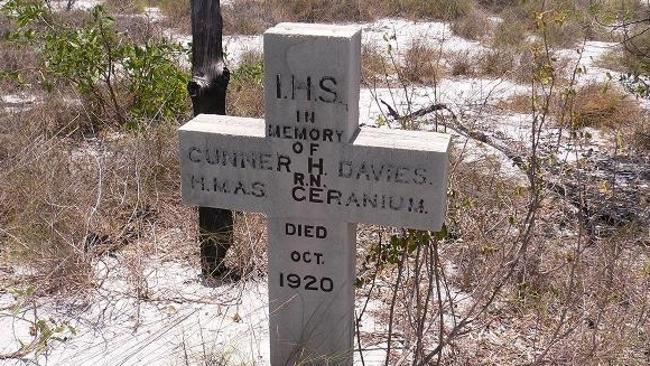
545 255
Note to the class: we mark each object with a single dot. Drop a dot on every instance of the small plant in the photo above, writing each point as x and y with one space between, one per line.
44 332
636 59
156 82
497 62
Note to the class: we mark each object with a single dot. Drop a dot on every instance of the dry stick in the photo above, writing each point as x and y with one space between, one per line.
397 68
374 280
107 77
430 266
565 104
415 293
436 265
572 280
365 305
423 317
565 191
523 238
392 306
25 349
358 329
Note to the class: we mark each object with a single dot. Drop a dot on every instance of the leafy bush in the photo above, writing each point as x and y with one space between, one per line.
120 79
156 81
563 23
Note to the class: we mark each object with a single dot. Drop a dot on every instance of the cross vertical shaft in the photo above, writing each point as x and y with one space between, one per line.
312 77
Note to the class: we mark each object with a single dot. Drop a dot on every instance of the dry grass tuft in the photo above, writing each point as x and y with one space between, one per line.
66 201
245 97
254 16
593 285
601 105
178 14
125 6
42 206
422 64
614 60
596 105
375 66
247 256
480 191
313 11
475 25
511 31
520 103
259 16
139 29
498 63
461 63
634 59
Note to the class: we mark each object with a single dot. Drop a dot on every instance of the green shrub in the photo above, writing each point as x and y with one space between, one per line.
636 60
156 82
120 80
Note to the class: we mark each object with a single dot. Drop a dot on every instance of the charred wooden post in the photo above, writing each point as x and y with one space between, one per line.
208 92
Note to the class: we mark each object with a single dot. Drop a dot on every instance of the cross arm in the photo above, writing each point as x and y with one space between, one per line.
226 162
408 170
385 177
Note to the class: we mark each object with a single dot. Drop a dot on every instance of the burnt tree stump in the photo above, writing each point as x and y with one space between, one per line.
208 92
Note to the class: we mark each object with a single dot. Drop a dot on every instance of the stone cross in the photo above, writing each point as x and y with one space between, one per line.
315 174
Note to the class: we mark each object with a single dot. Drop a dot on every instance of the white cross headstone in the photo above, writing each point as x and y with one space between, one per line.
315 174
